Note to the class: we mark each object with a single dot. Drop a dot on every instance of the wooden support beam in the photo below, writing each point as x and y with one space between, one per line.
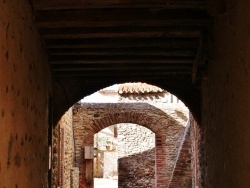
142 61
118 18
120 75
122 43
120 60
182 52
145 34
124 72
113 32
90 4
118 67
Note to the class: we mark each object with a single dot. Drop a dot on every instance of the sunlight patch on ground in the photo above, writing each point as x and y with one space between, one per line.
105 183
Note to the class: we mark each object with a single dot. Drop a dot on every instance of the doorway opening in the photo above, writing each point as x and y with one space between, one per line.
125 151
159 112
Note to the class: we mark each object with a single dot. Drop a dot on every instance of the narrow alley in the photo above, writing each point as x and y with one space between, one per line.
183 112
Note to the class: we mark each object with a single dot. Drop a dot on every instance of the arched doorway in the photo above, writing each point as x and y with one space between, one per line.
166 120
166 128
130 156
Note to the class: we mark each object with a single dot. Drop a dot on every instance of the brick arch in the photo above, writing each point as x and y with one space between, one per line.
70 94
91 118
147 121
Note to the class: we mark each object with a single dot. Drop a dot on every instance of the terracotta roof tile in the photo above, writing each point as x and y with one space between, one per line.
138 88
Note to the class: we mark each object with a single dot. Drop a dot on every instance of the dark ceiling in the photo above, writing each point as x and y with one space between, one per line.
95 43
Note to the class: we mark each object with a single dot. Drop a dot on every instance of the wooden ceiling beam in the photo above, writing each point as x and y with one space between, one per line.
113 57
90 4
122 39
118 75
119 51
121 61
82 33
118 18
122 43
145 34
105 67
120 71
124 52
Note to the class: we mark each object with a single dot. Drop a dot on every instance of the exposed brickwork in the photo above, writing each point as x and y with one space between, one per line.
182 173
24 92
196 138
168 125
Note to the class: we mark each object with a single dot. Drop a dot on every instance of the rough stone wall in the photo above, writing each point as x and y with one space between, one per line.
136 153
63 148
74 178
24 90
225 129
68 146
137 170
55 156
134 139
165 120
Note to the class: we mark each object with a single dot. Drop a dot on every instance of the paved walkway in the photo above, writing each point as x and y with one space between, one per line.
105 183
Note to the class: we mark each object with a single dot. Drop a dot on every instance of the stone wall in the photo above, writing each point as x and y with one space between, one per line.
167 121
136 153
63 151
24 96
55 156
68 147
74 177
134 139
225 129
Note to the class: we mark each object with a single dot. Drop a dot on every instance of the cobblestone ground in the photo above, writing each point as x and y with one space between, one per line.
105 183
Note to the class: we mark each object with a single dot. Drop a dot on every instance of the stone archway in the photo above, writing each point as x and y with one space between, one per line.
165 121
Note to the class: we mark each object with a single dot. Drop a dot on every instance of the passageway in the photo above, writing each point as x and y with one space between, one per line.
137 149
55 52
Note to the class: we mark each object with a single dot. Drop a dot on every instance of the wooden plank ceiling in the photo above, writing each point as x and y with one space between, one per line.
107 39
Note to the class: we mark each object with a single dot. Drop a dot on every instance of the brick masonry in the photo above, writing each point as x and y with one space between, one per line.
195 136
182 173
165 120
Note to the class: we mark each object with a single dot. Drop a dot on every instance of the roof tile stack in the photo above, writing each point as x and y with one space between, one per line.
138 88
